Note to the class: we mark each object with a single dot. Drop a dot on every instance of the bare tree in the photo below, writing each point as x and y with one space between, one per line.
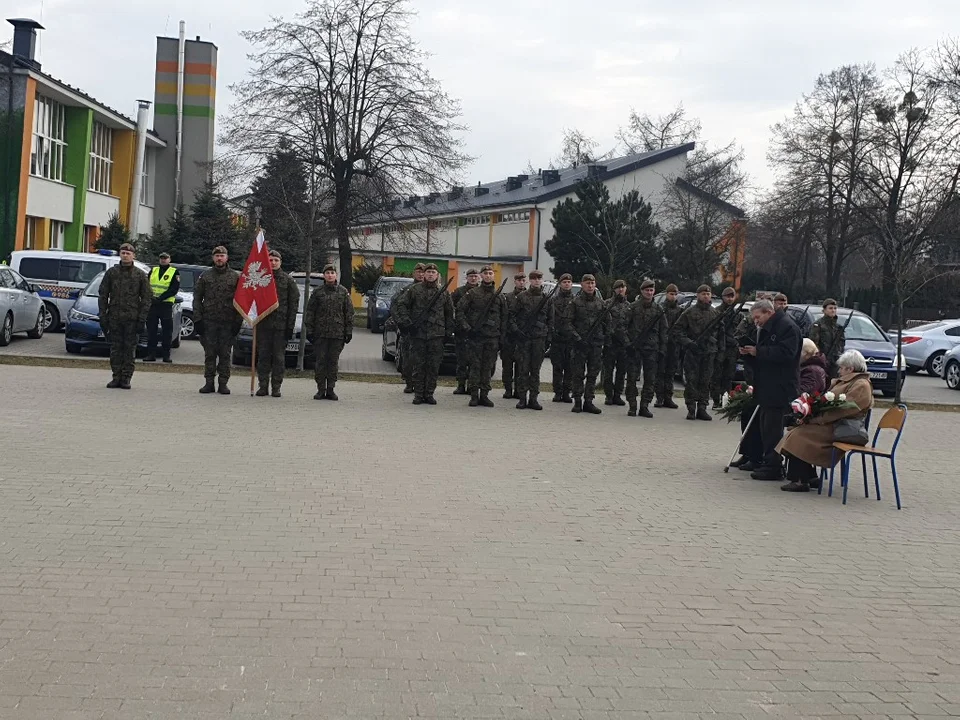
577 148
345 85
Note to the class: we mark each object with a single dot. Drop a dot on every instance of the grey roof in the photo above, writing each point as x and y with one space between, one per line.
710 198
529 190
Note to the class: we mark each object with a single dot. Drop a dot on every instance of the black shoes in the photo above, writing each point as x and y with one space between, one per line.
577 406
485 400
589 407
618 401
320 395
331 395
632 411
223 389
207 388
669 403
702 413
768 472
645 411
429 399
795 486
262 391
691 411
114 384
532 404
461 389
566 397
474 398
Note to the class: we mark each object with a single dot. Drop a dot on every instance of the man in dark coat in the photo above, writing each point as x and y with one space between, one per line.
776 380
276 329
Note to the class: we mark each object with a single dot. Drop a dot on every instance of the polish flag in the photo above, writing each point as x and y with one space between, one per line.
256 295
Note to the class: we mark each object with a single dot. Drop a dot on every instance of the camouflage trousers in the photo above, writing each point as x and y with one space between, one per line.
529 356
561 357
697 376
508 361
326 354
217 341
586 361
483 362
123 348
643 362
405 373
271 359
667 371
425 355
724 368
463 360
615 364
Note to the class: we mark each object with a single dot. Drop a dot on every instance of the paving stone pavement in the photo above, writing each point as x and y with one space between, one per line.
169 555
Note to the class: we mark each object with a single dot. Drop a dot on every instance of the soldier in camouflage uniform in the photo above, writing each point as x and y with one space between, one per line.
276 329
560 348
616 348
482 318
530 321
463 354
508 357
696 333
728 351
216 320
747 328
647 334
125 298
586 325
425 315
328 324
668 361
829 336
405 341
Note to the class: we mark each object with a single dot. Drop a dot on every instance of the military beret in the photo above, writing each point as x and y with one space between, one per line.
781 297
647 283
704 288
429 266
520 276
419 266
127 246
566 276
535 274
329 267
729 292
219 250
830 301
486 268
619 283
588 278
164 255
472 271
672 288
276 254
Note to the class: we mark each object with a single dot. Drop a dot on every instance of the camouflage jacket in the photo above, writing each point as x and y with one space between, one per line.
672 311
648 326
457 295
473 311
213 296
618 320
329 313
125 295
396 298
727 329
747 328
586 319
530 317
829 336
692 323
510 299
288 298
558 311
433 315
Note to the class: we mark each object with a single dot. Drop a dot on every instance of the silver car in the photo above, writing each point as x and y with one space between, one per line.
21 309
951 368
925 346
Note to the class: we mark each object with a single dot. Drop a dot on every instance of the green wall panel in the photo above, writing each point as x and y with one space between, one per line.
76 170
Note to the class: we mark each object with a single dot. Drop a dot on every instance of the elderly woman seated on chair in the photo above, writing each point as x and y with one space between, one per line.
811 444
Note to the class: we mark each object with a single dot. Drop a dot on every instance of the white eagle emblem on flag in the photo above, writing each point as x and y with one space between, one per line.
255 277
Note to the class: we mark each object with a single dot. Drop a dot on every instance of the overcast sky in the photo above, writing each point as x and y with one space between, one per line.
526 69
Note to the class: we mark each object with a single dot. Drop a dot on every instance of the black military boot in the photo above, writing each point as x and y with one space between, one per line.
691 411
577 405
702 413
222 388
717 404
408 389
566 397
418 399
430 399
276 390
557 397
461 388
166 358
124 383
115 383
669 403
262 389
533 403
658 403
208 387
618 401
508 391
589 407
474 397
331 395
485 400
645 411
321 392
608 398
522 403
632 410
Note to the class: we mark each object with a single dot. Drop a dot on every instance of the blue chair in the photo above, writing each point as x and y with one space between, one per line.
893 419
823 471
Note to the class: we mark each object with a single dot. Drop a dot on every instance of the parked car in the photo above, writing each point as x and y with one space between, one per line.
189 274
60 276
83 331
21 309
381 298
951 368
243 347
925 346
390 348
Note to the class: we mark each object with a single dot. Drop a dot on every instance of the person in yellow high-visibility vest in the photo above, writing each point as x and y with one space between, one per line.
165 284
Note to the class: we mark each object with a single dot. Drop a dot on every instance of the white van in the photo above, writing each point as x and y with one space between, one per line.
59 276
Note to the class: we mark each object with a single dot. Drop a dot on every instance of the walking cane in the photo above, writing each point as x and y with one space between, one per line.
745 431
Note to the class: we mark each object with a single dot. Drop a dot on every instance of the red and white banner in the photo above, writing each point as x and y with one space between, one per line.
256 295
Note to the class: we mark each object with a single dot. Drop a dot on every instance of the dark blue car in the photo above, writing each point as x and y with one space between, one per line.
380 298
83 322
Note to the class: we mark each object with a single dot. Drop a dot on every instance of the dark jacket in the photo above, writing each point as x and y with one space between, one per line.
813 375
288 302
432 315
776 369
329 313
125 295
829 336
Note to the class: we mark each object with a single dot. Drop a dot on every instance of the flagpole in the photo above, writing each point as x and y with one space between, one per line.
253 356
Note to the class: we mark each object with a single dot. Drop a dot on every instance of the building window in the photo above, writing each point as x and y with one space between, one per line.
57 231
101 159
32 234
49 145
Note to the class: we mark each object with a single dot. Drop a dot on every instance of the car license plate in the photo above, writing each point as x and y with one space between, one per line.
878 376
293 347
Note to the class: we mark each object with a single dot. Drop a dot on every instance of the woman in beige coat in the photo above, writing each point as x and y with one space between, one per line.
811 444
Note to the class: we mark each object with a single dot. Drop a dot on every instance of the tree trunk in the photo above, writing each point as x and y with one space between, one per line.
896 361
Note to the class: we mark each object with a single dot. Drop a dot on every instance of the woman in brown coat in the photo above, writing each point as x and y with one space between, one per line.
811 444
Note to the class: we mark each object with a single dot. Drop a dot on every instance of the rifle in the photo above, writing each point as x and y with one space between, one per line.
593 325
655 320
835 335
712 325
486 310
543 303
426 311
